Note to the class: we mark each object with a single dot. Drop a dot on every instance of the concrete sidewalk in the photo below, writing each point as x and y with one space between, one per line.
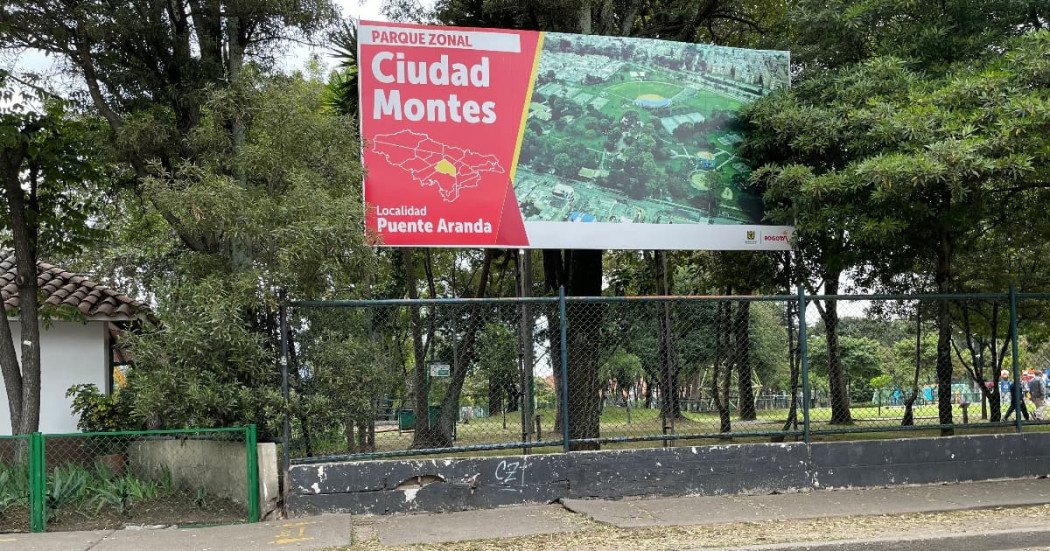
698 510
292 534
574 515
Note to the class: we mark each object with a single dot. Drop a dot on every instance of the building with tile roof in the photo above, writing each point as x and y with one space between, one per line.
77 344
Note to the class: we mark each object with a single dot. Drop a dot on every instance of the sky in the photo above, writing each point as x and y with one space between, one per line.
358 9
36 61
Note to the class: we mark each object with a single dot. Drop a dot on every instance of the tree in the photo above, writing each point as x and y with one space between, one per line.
200 370
48 172
860 358
858 130
563 165
351 370
831 35
175 82
291 207
497 358
921 354
882 384
623 371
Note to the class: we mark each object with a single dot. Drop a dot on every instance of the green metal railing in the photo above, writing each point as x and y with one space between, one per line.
615 321
111 480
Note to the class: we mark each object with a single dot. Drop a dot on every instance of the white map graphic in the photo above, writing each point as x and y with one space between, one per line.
434 164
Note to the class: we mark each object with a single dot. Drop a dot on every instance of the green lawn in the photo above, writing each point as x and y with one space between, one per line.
869 423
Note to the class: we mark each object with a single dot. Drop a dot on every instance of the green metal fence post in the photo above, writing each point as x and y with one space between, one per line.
804 360
251 437
1017 397
564 369
37 483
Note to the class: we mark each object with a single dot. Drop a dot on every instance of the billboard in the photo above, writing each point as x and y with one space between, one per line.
520 139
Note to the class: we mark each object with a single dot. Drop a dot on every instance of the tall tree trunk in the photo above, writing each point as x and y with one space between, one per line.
584 16
840 412
363 444
791 423
721 374
421 402
301 391
525 344
944 330
22 380
670 405
584 340
743 362
580 272
495 389
554 345
627 25
441 434
909 401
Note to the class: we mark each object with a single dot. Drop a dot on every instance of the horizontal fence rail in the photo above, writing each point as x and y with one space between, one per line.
402 378
113 480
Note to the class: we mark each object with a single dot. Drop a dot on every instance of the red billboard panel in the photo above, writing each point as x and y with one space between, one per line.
498 138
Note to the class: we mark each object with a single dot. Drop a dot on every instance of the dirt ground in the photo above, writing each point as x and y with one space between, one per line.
601 537
171 510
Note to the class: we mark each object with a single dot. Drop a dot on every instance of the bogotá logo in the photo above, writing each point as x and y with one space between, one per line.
750 237
781 237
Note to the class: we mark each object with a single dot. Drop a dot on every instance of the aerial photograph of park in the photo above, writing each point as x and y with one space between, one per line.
641 131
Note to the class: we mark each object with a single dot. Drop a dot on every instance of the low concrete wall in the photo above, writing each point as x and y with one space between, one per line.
217 466
460 484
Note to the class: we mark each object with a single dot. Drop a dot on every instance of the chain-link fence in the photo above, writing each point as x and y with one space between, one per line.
401 378
92 481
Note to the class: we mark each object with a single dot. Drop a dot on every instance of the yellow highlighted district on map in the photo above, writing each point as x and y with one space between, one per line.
445 167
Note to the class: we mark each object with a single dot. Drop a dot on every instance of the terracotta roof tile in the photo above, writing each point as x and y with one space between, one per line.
59 287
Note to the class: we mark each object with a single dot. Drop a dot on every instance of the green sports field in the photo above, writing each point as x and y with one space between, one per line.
632 90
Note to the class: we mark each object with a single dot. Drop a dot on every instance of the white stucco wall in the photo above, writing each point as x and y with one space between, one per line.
70 354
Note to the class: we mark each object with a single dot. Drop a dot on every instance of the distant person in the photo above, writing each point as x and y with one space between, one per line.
1006 392
1037 390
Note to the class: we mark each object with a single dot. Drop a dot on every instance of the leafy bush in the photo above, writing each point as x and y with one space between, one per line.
14 486
75 487
121 492
66 486
100 412
203 367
